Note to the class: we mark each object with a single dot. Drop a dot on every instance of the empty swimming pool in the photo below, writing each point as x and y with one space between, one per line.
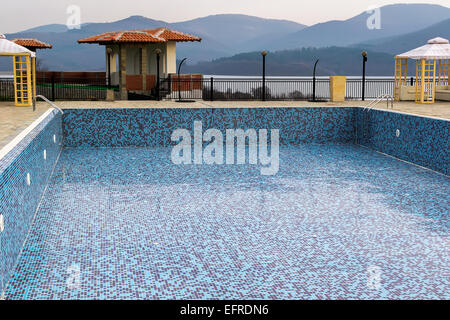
339 220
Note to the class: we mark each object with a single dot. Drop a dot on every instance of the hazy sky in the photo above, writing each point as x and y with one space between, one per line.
16 17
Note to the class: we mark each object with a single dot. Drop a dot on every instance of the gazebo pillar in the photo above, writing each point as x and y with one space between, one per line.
123 72
425 80
401 75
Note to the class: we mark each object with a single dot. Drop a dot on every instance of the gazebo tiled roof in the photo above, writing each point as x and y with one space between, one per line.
141 36
32 43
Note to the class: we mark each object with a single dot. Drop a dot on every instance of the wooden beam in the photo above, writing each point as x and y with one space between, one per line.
33 67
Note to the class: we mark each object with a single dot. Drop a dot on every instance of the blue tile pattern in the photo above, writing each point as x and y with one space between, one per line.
18 201
423 141
153 127
138 227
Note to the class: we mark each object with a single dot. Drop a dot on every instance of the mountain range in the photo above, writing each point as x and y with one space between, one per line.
395 20
403 27
333 60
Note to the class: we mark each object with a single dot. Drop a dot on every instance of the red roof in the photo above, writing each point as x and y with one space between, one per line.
32 43
141 36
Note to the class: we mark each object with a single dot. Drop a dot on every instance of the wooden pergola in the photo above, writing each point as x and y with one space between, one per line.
24 62
432 69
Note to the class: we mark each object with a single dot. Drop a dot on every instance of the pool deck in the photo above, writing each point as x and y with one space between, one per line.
13 120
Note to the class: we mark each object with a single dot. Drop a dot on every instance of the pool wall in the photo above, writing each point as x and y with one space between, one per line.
154 127
421 140
18 200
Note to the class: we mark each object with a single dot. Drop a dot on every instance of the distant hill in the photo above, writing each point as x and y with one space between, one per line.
299 62
406 42
229 34
48 28
222 35
395 20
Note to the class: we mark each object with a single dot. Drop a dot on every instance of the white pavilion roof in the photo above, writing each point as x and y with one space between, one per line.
435 49
9 47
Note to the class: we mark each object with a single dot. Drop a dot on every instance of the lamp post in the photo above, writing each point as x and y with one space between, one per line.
314 80
109 51
264 54
179 80
158 57
364 55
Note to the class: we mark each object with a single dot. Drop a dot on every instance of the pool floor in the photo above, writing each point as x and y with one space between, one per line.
336 222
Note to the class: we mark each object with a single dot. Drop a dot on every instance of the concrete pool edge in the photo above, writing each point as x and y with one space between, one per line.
22 135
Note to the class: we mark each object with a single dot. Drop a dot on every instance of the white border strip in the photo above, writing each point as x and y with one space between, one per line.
6 149
406 113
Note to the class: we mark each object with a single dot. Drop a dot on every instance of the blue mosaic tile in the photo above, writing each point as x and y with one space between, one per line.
423 141
18 201
138 227
153 127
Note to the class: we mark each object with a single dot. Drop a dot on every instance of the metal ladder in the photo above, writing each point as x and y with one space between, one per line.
365 115
48 101
388 98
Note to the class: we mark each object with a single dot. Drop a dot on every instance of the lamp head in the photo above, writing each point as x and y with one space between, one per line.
109 50
364 54
158 51
264 53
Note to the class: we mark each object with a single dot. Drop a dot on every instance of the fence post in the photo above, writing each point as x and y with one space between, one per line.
53 87
211 94
169 85
412 81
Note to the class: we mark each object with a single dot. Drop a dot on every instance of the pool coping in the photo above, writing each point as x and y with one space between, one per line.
206 106
23 134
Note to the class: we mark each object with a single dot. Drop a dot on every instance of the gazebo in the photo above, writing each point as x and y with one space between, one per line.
432 71
24 62
32 44
140 56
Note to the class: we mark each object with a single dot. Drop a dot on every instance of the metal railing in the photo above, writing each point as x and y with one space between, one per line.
388 98
275 89
6 90
72 88
209 88
46 100
60 89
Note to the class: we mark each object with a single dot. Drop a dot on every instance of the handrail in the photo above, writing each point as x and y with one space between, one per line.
48 101
378 100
